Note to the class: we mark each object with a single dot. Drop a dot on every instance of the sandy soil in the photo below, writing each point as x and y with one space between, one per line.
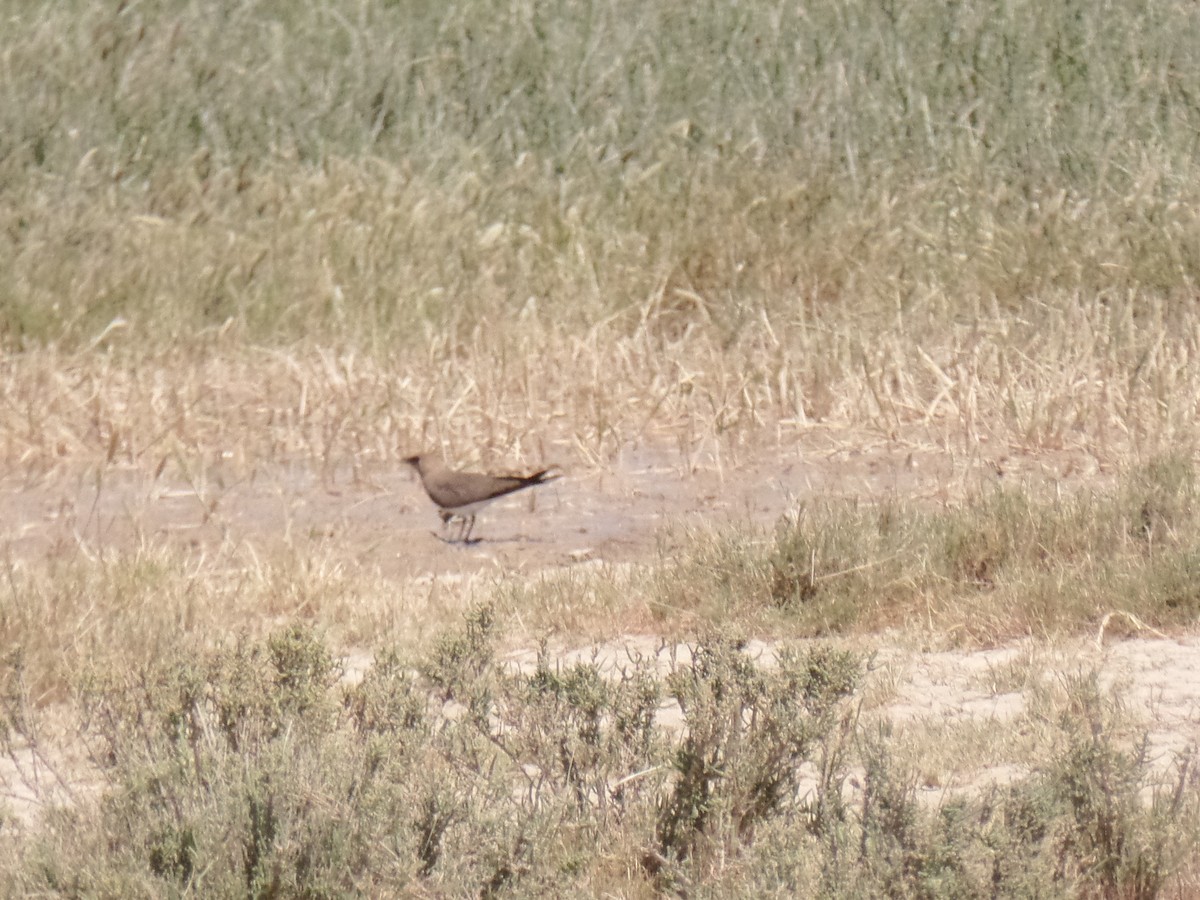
381 518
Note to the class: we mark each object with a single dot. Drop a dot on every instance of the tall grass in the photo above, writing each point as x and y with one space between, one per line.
885 213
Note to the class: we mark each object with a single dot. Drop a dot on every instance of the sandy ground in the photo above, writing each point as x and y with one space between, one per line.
381 518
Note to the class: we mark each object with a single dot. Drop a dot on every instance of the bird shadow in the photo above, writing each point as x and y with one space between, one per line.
453 542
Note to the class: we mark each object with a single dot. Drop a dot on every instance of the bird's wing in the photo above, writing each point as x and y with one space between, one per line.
462 488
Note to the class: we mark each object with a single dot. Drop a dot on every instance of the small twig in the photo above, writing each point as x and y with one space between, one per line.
1181 784
852 569
634 777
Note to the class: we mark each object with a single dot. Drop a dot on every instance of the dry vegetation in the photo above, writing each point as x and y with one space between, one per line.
239 237
361 229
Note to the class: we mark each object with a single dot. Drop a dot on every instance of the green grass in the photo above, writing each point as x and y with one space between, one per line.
742 215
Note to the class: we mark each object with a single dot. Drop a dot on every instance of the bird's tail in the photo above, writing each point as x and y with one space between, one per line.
550 474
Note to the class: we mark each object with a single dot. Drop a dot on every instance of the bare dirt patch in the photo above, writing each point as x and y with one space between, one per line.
375 514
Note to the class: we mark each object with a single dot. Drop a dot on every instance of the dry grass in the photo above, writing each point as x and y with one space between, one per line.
553 240
308 238
1114 379
977 571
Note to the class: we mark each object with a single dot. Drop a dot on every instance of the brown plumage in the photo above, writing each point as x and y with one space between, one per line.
462 494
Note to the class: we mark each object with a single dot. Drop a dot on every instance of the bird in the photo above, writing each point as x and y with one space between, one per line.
460 495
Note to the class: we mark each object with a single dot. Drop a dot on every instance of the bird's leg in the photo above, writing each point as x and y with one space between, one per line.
447 518
470 524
